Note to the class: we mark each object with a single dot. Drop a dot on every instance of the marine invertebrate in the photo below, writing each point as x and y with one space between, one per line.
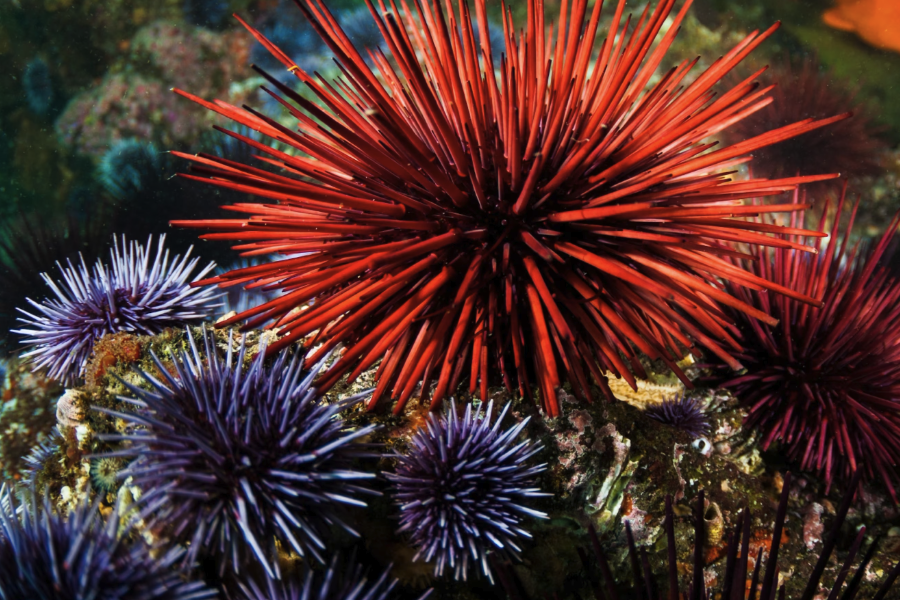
129 167
45 556
339 582
104 473
288 30
453 214
69 409
38 86
31 244
139 291
822 382
680 412
743 558
238 298
233 461
37 458
803 90
463 488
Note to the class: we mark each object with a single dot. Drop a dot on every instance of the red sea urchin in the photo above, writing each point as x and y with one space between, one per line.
824 382
542 220
803 90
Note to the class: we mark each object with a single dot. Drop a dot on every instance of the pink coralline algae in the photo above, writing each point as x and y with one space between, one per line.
135 101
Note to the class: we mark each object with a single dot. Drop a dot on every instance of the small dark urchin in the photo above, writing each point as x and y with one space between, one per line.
233 461
141 292
44 556
462 489
540 221
825 382
680 412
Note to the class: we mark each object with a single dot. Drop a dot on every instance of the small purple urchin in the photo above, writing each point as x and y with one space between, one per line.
349 583
461 489
139 293
232 461
684 413
44 556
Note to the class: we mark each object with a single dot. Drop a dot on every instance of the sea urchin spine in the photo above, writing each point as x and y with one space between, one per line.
45 556
462 489
233 461
825 382
139 292
452 212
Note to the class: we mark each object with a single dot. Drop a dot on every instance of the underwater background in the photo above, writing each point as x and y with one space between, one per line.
147 453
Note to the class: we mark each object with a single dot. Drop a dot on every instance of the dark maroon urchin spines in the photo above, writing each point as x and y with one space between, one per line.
138 292
738 578
461 489
803 91
47 556
824 383
682 412
231 461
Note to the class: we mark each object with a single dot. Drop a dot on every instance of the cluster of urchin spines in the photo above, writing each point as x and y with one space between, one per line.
462 489
47 556
139 292
823 383
233 461
339 582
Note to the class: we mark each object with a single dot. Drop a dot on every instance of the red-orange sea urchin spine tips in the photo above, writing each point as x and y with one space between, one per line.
546 219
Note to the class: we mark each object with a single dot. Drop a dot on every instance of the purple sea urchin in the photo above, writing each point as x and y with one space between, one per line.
462 489
44 556
139 293
682 413
351 584
234 461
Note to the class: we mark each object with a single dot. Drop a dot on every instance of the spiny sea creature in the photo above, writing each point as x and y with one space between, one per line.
130 167
734 582
803 90
140 292
35 461
232 461
31 244
680 412
823 382
347 583
104 473
46 556
539 221
463 487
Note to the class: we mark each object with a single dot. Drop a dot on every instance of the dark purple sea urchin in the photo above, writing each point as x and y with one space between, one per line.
461 489
682 413
139 292
44 556
233 461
